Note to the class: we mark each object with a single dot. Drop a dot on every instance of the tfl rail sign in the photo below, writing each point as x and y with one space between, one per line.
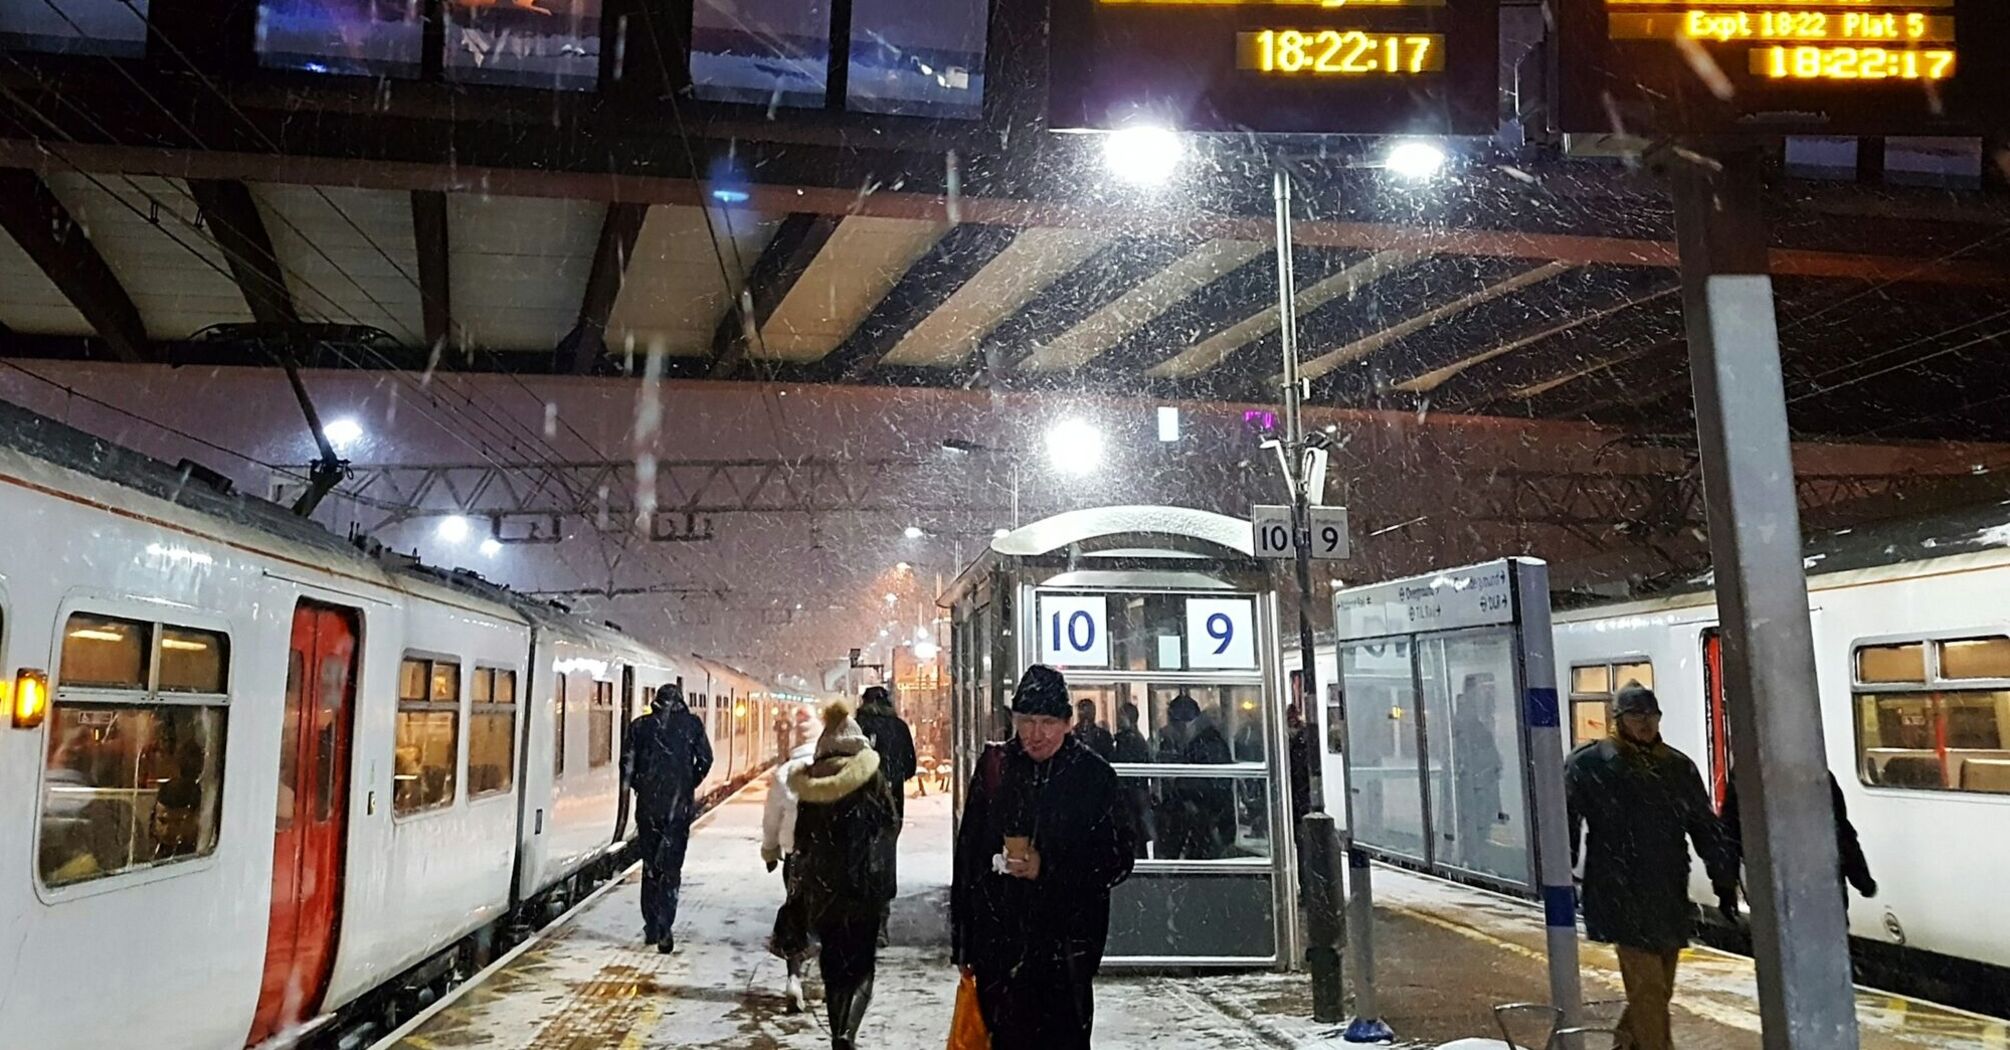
1866 67
1286 66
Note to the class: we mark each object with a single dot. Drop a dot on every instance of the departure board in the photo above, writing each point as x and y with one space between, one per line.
1809 66
1276 66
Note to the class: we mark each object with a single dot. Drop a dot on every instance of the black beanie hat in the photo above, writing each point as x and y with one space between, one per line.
1636 699
1042 691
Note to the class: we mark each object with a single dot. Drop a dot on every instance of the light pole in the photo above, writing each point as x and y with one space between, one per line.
966 447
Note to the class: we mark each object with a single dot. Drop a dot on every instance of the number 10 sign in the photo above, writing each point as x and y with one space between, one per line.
1074 630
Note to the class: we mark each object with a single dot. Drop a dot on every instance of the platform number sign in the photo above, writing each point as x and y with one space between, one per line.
1272 525
1074 630
1220 633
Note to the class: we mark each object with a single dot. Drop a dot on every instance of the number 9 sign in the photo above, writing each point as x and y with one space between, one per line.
1073 630
1220 633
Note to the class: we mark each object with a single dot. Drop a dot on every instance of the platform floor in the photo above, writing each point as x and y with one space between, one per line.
1446 955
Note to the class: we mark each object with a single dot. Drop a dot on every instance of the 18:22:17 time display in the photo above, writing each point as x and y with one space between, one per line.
1339 52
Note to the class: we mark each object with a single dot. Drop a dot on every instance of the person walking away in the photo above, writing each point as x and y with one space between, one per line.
844 817
1092 734
790 939
1131 746
1855 869
1042 843
1639 800
893 740
668 757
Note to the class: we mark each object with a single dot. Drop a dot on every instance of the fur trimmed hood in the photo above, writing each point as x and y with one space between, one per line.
830 779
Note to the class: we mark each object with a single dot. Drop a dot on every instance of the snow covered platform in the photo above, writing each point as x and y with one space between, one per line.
1447 955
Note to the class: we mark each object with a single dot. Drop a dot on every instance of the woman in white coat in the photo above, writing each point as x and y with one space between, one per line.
791 937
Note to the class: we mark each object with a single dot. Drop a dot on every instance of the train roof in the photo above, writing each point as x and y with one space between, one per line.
266 526
1972 536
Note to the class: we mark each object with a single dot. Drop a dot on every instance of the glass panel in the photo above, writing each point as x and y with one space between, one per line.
600 736
423 777
1382 770
482 685
1891 663
922 59
97 27
127 787
1596 678
1198 818
1975 658
446 683
360 37
289 741
1589 720
558 726
330 704
766 52
412 675
491 751
504 689
193 661
1641 673
1479 818
103 653
550 44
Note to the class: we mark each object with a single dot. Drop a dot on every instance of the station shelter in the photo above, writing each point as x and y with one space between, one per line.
1164 619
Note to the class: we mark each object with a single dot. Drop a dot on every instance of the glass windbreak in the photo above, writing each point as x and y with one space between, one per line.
1382 733
1479 813
1189 817
1182 724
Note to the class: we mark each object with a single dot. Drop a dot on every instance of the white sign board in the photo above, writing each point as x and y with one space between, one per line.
1475 596
1273 531
1329 534
1074 630
1220 633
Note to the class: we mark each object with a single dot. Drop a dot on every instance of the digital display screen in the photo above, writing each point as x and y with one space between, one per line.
1281 66
1782 66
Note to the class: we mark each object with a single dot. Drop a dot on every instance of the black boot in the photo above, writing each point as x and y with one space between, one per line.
861 998
837 1003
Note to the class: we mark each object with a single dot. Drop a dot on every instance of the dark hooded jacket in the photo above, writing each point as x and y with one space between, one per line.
892 739
1071 808
1644 804
844 820
668 757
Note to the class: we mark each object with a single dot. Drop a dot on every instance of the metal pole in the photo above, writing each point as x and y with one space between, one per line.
1544 717
1805 998
1367 1025
1324 925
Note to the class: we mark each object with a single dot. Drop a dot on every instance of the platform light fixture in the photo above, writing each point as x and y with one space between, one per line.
343 432
491 547
1415 160
1143 155
452 529
913 532
999 534
1074 446
1168 423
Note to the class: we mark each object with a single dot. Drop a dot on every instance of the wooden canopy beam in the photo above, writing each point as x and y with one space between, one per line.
796 244
38 222
232 216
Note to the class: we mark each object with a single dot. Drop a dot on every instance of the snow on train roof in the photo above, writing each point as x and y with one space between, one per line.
1888 549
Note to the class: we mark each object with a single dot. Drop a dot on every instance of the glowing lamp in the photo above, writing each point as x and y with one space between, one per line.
31 697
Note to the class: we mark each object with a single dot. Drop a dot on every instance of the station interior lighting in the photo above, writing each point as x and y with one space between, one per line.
452 529
1168 423
891 597
901 566
1415 160
913 532
1074 446
491 547
1143 155
926 650
343 432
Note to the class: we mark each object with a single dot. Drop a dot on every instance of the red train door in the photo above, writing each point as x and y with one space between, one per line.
311 822
1716 718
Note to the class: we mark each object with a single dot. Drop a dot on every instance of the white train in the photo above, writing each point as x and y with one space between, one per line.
1912 645
253 776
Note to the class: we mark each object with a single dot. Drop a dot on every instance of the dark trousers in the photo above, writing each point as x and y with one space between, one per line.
662 847
848 946
1045 1003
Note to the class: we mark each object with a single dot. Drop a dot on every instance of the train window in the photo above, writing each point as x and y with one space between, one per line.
428 735
1975 658
491 731
1592 687
133 777
100 652
192 661
1919 728
558 727
1891 663
600 726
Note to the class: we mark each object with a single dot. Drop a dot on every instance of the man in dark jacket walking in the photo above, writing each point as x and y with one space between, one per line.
1849 850
668 757
1641 799
1042 843
894 742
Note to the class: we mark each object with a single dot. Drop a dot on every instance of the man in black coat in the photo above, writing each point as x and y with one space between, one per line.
1091 732
1042 842
668 757
1642 799
894 742
1849 850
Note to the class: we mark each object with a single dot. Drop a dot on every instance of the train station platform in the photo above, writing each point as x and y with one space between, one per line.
1447 955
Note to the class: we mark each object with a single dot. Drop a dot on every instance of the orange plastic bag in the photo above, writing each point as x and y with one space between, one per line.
966 1028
